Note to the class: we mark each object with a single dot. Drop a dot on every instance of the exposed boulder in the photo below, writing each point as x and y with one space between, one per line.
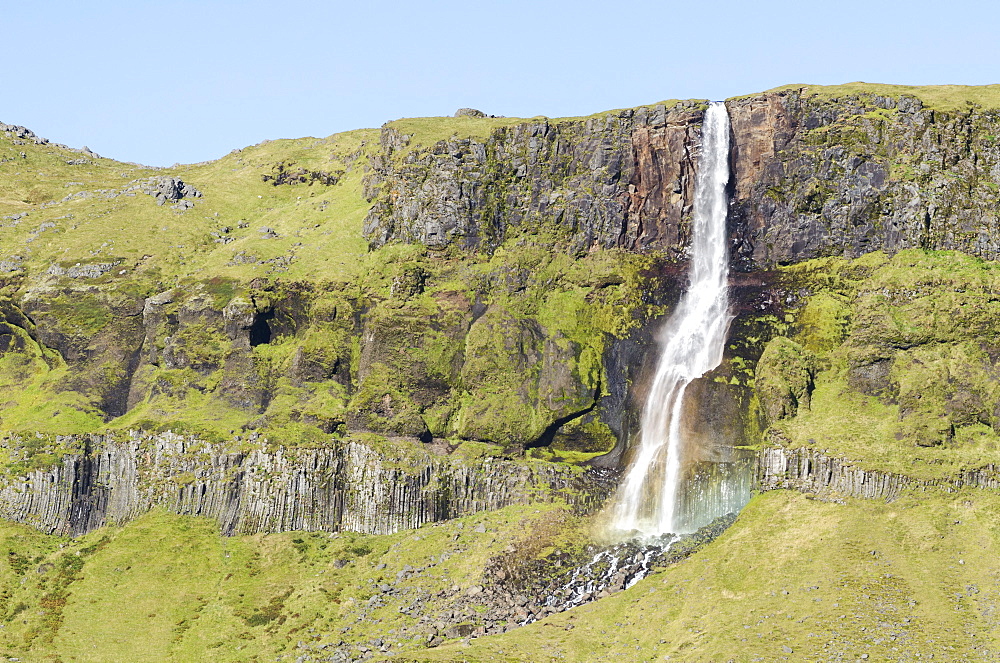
166 189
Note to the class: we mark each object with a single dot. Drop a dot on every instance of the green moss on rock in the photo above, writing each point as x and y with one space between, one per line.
784 378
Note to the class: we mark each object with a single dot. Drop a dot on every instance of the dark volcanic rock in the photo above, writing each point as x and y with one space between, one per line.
812 176
817 177
166 189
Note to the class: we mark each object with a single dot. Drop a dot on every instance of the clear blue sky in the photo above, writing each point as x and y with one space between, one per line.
185 81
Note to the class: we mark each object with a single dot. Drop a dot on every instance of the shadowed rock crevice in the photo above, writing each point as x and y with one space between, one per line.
549 434
260 329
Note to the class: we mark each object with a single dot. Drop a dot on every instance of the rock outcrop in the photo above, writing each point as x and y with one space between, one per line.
819 176
510 354
351 486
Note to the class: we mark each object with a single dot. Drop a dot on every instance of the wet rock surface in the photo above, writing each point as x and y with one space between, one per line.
524 591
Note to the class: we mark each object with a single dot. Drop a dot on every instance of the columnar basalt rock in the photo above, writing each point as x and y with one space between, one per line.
812 471
351 486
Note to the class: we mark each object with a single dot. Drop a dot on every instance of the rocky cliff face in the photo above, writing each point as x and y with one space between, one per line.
623 179
351 487
813 176
519 280
818 176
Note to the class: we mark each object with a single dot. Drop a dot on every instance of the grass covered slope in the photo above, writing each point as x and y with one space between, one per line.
825 580
168 587
83 213
796 579
896 362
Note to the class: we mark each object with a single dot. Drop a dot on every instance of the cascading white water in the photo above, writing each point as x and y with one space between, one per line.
650 499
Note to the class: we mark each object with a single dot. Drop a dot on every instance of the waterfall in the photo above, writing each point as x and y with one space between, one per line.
673 483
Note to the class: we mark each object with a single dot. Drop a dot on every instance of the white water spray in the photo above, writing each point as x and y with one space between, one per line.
651 498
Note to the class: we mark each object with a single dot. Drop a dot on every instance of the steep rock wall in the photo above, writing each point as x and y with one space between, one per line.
817 176
351 487
812 471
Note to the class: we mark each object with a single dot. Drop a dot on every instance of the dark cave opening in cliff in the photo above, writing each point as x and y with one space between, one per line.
260 330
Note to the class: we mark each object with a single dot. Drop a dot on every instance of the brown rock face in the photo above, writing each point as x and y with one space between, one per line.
812 176
662 187
820 176
762 127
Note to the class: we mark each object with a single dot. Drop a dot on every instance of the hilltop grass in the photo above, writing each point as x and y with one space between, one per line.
936 97
794 579
425 132
318 226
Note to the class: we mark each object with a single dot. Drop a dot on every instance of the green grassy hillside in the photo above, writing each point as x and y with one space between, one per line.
169 587
903 358
79 213
796 579
826 580
257 306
